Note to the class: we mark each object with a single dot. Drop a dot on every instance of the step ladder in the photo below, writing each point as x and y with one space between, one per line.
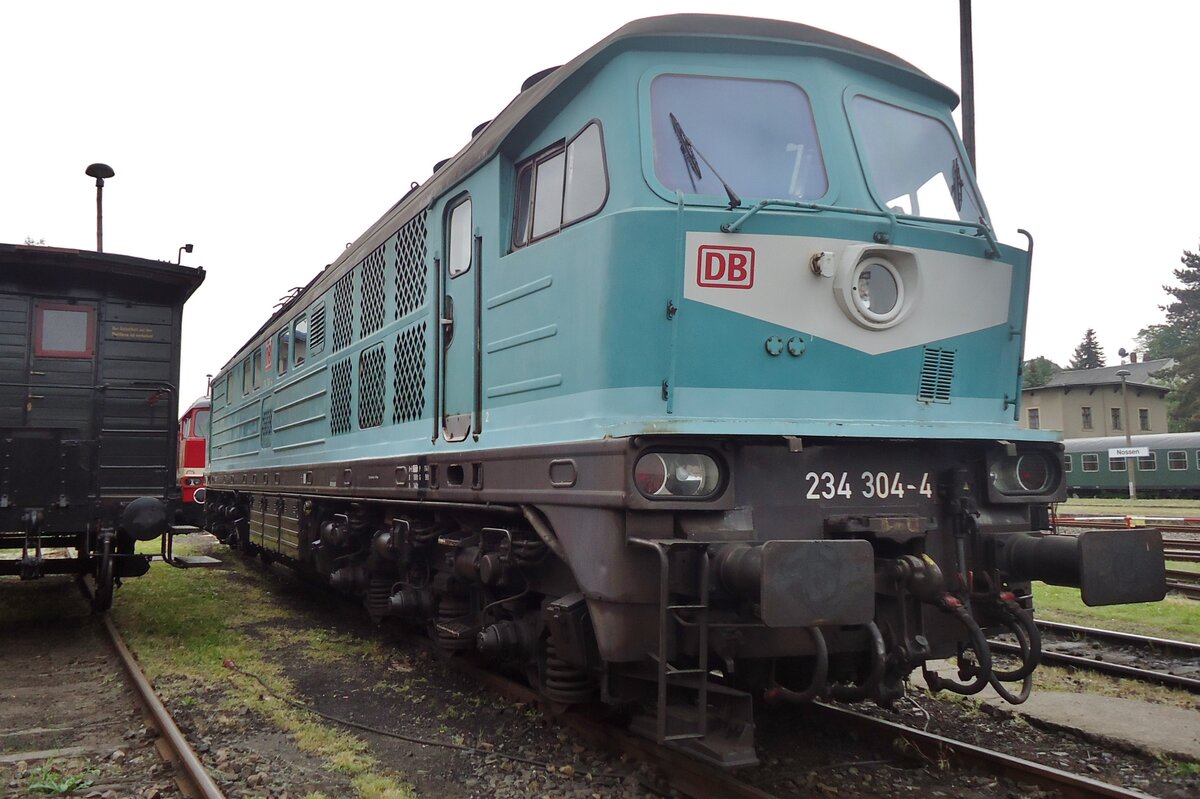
680 721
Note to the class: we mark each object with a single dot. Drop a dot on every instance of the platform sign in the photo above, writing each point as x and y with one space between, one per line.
1129 452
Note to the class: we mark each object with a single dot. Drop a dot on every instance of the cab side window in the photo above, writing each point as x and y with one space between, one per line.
562 185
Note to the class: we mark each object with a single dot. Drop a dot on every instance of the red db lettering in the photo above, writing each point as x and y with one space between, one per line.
725 267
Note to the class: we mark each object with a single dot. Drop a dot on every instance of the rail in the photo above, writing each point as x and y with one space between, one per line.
191 774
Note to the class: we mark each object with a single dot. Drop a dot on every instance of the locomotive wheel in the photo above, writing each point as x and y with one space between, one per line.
102 601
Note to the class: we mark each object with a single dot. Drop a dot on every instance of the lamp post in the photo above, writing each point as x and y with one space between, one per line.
1130 468
99 172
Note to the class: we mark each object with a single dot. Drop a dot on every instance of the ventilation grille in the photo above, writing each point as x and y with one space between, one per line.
343 311
408 377
316 328
372 383
410 266
937 373
340 376
372 292
266 417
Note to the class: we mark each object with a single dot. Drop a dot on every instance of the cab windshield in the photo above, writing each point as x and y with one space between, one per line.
913 162
757 135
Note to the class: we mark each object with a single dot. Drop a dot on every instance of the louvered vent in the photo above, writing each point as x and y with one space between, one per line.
408 377
341 374
316 328
371 281
410 266
937 374
343 311
372 383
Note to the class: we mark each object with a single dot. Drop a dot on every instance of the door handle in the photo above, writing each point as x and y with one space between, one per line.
448 321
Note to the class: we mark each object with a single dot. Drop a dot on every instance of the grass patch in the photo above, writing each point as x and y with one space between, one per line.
183 625
1125 507
47 779
1058 678
1174 617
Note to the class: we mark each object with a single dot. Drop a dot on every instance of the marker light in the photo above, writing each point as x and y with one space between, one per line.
674 474
1027 473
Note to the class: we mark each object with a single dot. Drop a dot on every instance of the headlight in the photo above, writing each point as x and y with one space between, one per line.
668 475
1028 473
199 495
877 290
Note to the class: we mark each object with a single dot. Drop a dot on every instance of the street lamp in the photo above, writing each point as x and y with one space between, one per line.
1130 468
99 172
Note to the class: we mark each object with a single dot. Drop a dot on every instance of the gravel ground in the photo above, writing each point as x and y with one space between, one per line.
464 741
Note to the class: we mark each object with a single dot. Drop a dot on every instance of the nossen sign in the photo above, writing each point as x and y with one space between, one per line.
1129 452
725 267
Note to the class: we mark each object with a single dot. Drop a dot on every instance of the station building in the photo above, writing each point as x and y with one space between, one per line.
1086 403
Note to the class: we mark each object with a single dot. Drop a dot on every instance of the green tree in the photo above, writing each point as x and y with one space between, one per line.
1160 341
1088 354
1183 318
1038 371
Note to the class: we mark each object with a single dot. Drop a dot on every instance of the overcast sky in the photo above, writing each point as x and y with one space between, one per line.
271 134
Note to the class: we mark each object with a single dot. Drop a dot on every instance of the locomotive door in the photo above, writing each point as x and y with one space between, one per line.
460 321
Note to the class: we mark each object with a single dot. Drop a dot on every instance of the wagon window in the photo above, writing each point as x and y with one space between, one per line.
300 339
587 178
1116 464
1149 464
258 369
1066 463
759 135
247 383
548 196
282 346
1091 462
200 424
64 331
913 162
1177 460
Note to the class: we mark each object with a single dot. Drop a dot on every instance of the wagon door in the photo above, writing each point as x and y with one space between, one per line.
460 314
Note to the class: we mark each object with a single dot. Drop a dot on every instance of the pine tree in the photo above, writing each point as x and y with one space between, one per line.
1088 354
1183 317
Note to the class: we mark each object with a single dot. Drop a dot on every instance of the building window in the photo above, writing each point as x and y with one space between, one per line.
1177 460
1144 419
64 331
1035 419
560 186
1116 464
1067 463
1085 414
1149 464
1116 418
1091 462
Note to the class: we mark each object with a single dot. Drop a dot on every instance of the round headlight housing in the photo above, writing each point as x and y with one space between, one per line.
676 475
1026 473
877 290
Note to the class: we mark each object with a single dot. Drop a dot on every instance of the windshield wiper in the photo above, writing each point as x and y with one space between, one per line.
690 152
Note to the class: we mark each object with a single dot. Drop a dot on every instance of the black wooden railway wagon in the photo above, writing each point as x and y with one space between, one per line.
89 369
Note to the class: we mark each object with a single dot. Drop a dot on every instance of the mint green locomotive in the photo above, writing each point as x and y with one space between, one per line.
692 377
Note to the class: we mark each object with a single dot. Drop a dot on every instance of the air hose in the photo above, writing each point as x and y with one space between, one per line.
853 693
950 604
776 692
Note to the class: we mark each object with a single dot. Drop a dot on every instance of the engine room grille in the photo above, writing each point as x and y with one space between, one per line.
408 377
316 327
937 374
340 376
410 265
343 311
372 383
371 283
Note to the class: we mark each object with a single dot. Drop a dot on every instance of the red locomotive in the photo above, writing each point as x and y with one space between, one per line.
193 431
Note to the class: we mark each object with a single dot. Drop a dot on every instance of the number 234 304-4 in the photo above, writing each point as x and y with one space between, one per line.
868 485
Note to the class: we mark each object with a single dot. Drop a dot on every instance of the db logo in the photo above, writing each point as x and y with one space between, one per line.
726 267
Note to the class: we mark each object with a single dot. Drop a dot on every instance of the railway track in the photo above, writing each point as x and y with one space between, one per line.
700 780
75 702
1120 654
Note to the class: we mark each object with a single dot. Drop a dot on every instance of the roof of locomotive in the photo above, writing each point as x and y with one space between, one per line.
47 264
690 29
